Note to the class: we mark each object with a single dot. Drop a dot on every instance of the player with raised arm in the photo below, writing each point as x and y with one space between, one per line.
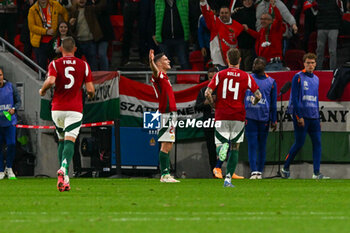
230 85
68 74
160 64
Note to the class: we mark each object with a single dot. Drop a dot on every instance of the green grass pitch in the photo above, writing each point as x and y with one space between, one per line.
194 205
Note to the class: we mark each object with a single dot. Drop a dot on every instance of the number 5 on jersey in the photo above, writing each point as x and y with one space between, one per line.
69 76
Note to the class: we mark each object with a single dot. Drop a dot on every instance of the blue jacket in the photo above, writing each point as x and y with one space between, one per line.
303 102
266 109
203 33
9 98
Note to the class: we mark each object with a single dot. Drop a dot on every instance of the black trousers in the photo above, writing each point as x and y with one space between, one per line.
210 138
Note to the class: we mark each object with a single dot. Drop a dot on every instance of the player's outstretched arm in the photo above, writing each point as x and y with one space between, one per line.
90 89
153 66
257 97
49 82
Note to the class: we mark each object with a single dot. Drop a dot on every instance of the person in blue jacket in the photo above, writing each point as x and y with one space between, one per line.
9 102
259 117
304 106
203 38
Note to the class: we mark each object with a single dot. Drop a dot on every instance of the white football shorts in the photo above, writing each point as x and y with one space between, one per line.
67 123
166 133
229 131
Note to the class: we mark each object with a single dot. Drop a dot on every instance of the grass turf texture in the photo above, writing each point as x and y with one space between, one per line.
194 205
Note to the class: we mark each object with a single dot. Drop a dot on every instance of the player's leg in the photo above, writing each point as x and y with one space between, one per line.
164 160
222 137
251 130
11 150
315 135
58 120
72 124
236 135
262 139
166 136
299 139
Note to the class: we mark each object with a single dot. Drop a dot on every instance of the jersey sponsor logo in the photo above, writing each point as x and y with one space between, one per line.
310 98
5 106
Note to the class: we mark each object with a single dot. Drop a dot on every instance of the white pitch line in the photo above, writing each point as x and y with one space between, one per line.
167 213
183 219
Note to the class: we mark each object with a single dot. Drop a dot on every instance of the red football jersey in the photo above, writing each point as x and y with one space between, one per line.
230 85
71 73
164 93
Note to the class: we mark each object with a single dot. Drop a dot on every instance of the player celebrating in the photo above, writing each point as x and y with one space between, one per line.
304 106
230 85
160 64
68 74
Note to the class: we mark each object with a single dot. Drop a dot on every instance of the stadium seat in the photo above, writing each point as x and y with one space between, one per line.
294 59
188 78
197 60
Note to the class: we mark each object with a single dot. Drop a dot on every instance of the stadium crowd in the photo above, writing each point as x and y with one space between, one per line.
282 31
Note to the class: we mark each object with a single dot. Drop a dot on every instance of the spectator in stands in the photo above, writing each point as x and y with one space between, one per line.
86 29
108 34
310 22
204 38
55 43
223 33
131 13
8 19
10 101
43 20
172 29
269 39
265 6
146 41
246 15
25 34
328 21
259 117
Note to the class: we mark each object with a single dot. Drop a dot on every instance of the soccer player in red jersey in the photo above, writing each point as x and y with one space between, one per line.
230 85
160 64
68 74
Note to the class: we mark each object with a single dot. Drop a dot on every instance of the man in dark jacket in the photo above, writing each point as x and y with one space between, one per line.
328 22
172 29
246 15
86 29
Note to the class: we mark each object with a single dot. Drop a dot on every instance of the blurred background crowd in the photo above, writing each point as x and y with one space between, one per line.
194 34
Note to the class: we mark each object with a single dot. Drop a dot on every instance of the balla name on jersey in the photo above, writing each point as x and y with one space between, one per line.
192 123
